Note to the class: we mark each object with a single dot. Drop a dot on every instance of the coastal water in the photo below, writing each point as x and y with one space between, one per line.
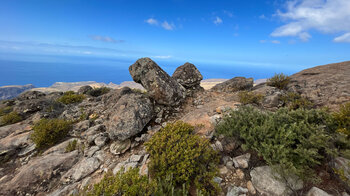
44 74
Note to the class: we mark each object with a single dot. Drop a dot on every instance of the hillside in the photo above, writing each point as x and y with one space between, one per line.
9 92
227 137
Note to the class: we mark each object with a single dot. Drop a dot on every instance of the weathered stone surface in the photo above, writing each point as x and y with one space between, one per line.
188 75
314 191
234 84
30 176
326 85
159 85
82 169
119 147
271 95
132 113
84 89
61 148
268 182
13 143
236 191
342 164
251 188
241 161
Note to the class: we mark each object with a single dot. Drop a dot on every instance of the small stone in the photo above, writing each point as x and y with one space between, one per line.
236 191
229 164
120 147
215 119
314 191
242 161
251 188
130 165
223 170
118 167
101 141
217 146
240 174
135 158
218 180
92 151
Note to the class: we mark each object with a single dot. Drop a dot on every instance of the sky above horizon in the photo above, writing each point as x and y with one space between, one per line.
262 33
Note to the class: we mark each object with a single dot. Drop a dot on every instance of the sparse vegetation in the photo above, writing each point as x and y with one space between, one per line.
70 97
246 97
10 118
95 92
297 140
48 132
5 110
295 101
72 145
176 151
343 119
279 81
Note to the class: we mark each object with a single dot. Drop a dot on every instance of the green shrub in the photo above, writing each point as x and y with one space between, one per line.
294 101
342 119
70 97
129 183
98 91
279 81
72 145
48 132
297 140
10 118
176 151
5 110
247 97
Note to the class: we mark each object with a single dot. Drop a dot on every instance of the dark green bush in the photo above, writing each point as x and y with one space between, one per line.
342 119
10 118
72 145
294 101
70 97
48 132
98 91
246 97
297 140
176 151
279 81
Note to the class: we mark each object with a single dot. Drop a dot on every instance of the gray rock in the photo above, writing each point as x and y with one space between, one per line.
234 84
271 95
314 191
10 144
159 85
236 191
268 182
101 140
84 89
241 161
135 158
92 151
120 147
342 164
217 146
218 180
82 125
118 167
82 169
132 113
189 77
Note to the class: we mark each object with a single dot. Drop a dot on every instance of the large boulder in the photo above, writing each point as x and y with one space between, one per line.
159 85
272 95
269 182
234 84
131 114
189 77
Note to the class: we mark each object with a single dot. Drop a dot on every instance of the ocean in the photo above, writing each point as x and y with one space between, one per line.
44 74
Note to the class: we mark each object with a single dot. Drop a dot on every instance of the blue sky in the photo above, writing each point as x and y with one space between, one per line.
273 33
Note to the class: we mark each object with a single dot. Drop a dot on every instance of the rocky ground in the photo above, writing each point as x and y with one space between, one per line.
110 131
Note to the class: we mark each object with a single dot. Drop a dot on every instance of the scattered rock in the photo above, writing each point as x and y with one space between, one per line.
251 188
120 147
242 161
101 140
159 85
82 169
236 191
217 146
342 164
234 84
91 151
240 174
223 170
314 191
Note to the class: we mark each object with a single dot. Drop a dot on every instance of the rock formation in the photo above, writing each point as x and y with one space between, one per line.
234 84
189 77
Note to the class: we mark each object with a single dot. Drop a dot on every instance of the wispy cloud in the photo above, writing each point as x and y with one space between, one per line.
329 17
217 20
228 13
262 16
270 41
152 21
168 26
105 39
162 57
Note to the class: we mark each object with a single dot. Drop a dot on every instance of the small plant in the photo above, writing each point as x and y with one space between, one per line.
342 119
72 145
10 118
246 97
98 91
48 132
176 151
279 81
295 101
297 140
70 97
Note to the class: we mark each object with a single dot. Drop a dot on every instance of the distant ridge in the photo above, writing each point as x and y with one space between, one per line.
11 91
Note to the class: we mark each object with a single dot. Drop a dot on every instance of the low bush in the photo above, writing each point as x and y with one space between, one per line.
294 101
176 151
297 140
342 119
98 91
70 97
279 81
246 97
10 118
5 110
48 132
72 145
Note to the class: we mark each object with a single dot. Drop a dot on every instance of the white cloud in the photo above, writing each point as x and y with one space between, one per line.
262 16
326 16
228 13
270 41
152 21
168 26
343 38
105 39
162 57
275 42
262 41
217 20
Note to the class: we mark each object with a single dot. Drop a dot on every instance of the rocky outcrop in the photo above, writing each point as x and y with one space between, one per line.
9 92
84 89
234 84
314 191
326 85
132 113
271 94
189 77
159 85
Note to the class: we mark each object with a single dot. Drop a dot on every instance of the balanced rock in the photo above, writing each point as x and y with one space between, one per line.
234 84
159 85
189 77
131 114
84 89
